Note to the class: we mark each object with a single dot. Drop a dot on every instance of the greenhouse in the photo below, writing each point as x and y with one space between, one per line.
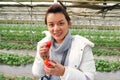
22 24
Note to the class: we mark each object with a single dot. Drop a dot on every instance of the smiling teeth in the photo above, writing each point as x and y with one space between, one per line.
57 34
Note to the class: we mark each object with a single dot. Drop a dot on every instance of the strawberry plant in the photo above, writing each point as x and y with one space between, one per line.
99 52
3 77
9 46
15 59
107 66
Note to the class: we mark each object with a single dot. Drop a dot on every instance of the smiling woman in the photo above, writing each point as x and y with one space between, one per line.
71 56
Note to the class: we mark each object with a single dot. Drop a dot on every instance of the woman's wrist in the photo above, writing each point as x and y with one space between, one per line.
63 71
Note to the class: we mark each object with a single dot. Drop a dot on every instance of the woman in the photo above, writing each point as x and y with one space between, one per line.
78 63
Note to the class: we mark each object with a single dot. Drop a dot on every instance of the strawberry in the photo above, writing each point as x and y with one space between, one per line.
47 63
48 43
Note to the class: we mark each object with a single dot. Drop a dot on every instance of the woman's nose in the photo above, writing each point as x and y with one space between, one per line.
56 27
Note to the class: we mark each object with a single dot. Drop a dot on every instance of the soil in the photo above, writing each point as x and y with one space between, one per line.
110 58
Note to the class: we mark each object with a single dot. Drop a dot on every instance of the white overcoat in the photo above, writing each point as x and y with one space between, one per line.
81 61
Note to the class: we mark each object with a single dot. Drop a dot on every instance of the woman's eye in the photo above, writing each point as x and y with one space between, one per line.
61 23
51 25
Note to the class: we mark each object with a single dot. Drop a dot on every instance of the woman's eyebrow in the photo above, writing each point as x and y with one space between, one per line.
58 21
50 22
61 20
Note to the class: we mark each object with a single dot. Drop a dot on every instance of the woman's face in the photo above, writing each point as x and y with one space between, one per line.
57 26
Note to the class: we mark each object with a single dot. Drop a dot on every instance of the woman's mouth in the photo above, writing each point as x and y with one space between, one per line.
57 34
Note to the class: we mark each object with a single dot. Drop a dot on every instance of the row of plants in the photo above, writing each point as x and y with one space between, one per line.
3 77
108 38
107 66
20 21
21 36
17 60
35 38
101 65
96 51
8 46
108 52
106 42
39 28
98 41
95 27
22 27
90 34
95 32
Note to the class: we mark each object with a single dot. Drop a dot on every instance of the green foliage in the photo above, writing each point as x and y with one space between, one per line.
106 42
99 52
96 27
23 78
17 46
15 59
21 32
107 66
96 33
3 77
24 33
103 38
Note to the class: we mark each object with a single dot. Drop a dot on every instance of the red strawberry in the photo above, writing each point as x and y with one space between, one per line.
47 63
48 43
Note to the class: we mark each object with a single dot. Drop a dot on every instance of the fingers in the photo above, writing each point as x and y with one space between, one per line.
53 63
43 50
50 71
43 45
57 69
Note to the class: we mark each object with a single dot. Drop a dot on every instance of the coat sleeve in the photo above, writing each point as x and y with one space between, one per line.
86 68
38 66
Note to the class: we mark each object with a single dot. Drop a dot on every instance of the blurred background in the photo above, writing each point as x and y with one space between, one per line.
22 23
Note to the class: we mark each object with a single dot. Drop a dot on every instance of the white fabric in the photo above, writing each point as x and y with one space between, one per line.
81 61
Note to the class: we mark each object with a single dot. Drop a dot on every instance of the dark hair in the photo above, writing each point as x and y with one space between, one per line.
57 8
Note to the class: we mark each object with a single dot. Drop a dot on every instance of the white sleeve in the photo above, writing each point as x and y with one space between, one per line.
38 65
86 68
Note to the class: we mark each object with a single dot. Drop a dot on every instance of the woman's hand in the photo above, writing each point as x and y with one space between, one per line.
57 69
44 50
